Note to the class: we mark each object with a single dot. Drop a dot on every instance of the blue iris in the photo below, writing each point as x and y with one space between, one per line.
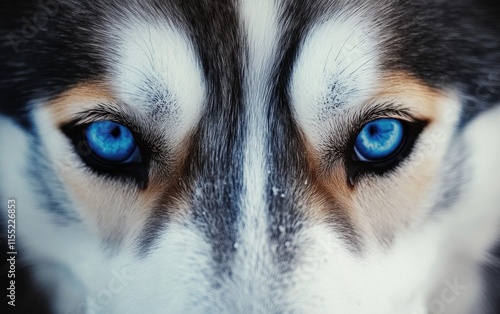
379 139
111 142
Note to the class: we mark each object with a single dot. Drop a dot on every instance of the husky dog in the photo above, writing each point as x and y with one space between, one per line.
251 156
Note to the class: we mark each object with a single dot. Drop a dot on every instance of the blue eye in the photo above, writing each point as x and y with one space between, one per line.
379 139
111 142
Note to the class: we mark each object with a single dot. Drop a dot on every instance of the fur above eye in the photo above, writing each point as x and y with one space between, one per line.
379 140
111 142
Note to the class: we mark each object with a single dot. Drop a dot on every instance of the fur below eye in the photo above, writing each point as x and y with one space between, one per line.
111 142
379 140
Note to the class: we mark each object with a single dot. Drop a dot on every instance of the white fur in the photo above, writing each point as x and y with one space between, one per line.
343 51
254 264
49 245
330 278
446 249
158 59
173 279
475 223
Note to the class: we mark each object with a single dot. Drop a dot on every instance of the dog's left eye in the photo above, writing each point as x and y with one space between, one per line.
379 139
381 145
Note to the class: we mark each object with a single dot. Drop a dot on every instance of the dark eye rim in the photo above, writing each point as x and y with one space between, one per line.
356 168
136 171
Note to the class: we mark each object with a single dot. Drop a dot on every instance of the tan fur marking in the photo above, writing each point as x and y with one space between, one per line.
82 97
414 94
388 203
117 211
112 209
381 205
325 188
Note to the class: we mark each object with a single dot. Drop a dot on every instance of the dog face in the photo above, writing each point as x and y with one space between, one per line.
254 156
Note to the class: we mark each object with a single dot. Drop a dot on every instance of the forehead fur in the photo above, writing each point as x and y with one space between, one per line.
416 34
154 68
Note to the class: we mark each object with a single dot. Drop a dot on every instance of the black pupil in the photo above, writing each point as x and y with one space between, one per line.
116 132
373 130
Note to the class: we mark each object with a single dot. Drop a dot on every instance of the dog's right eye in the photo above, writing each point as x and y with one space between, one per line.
111 142
111 149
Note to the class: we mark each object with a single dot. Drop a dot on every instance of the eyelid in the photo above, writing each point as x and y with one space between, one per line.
103 113
350 123
347 124
147 139
375 111
121 115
